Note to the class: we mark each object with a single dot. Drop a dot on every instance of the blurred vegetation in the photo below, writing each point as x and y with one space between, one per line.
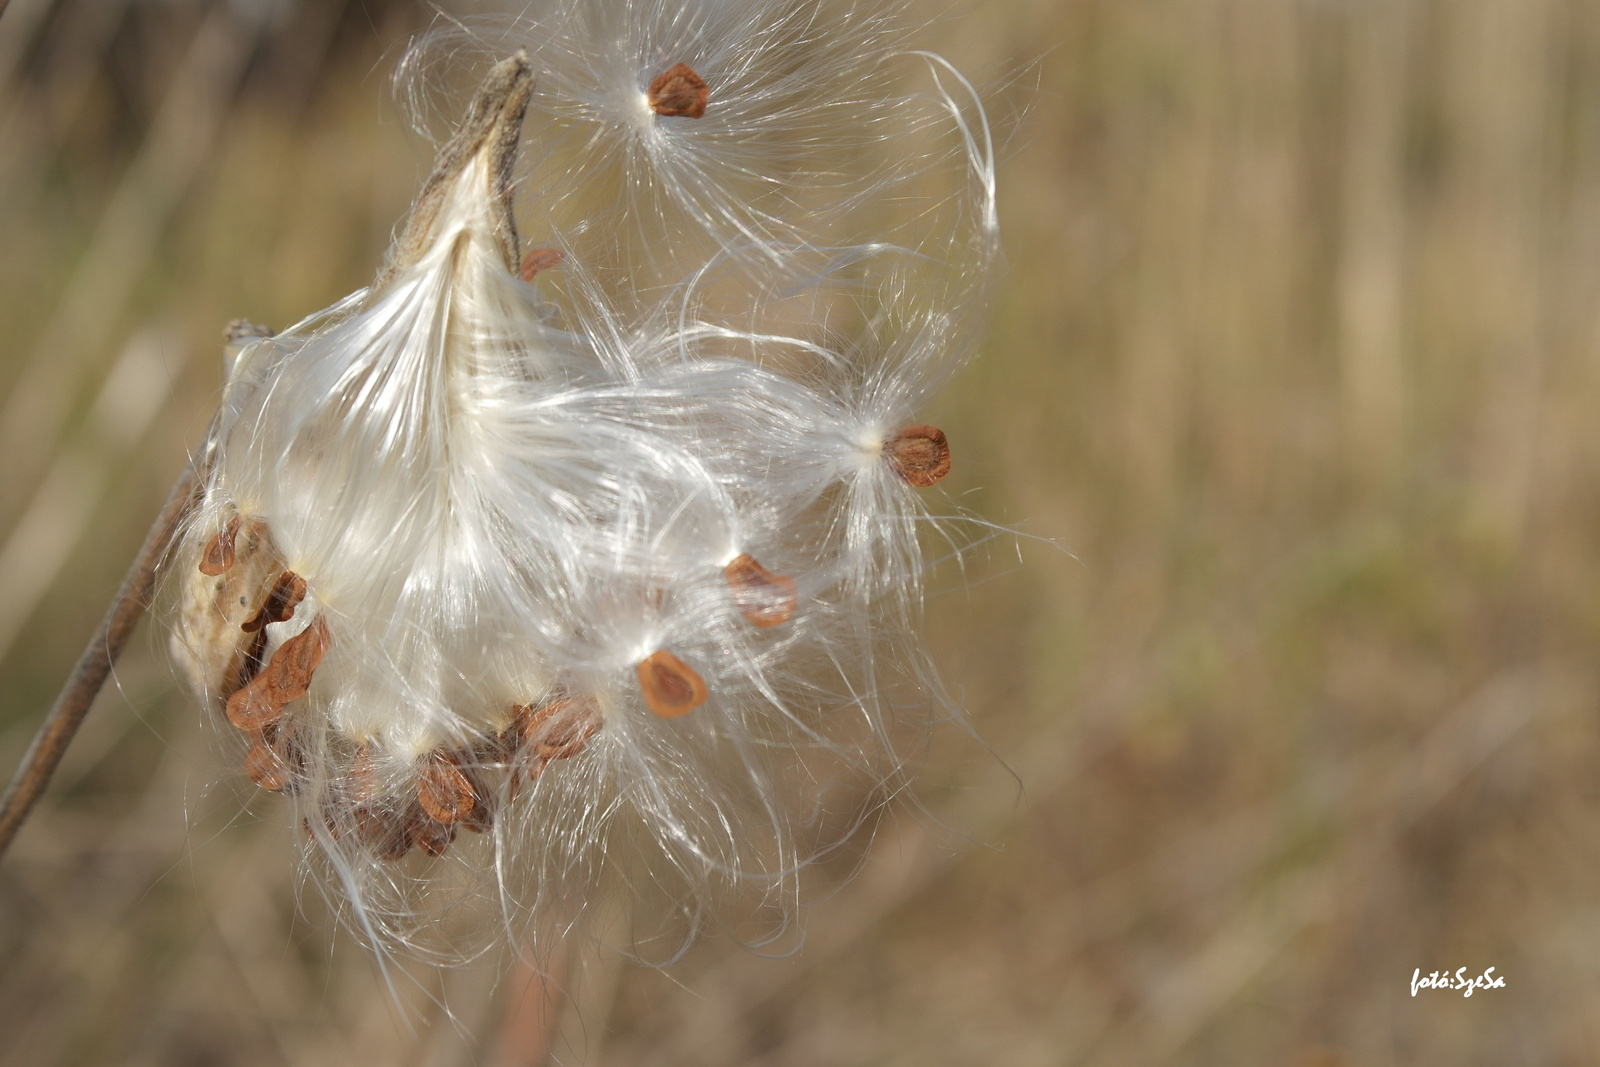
1298 360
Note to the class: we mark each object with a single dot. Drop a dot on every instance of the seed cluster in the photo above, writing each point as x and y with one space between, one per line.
605 550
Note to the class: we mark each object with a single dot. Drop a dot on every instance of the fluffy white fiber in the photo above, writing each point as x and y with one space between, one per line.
524 589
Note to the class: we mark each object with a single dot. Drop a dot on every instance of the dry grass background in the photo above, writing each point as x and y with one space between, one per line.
1300 358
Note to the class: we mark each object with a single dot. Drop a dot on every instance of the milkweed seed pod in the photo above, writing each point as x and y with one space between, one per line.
516 596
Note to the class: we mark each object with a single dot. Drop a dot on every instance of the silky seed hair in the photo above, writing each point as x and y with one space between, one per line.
523 581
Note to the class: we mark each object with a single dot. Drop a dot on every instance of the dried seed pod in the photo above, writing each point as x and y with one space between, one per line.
919 454
489 133
671 687
679 92
763 598
539 259
208 643
444 792
218 554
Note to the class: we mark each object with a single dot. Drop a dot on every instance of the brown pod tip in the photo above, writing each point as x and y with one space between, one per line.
763 598
920 455
539 259
218 556
671 687
443 791
679 92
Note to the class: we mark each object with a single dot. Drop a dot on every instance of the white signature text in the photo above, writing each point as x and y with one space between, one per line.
1444 980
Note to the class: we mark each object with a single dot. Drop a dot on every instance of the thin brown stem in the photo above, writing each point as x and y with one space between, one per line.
94 666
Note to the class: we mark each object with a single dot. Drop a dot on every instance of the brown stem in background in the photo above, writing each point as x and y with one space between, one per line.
3 4
94 666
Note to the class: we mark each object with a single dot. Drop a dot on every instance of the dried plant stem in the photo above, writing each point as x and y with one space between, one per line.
94 666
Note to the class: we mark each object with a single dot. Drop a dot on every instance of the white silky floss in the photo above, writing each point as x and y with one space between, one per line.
622 578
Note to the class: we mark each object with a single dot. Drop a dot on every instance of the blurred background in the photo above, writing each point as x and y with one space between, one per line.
1298 364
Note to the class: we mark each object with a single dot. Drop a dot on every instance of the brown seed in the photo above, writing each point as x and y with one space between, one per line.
264 767
555 729
481 817
444 792
260 703
392 836
253 707
287 592
288 673
679 92
920 455
671 687
539 259
384 830
218 556
371 825
359 783
764 598
432 837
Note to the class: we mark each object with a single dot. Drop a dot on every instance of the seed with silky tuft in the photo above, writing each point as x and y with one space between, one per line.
540 259
285 680
444 791
431 836
763 598
671 687
218 556
287 592
679 92
919 454
263 767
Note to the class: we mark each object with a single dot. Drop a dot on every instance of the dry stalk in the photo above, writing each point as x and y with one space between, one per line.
94 666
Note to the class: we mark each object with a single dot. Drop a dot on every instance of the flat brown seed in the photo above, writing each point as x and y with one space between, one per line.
556 729
287 592
443 791
679 92
264 767
671 687
481 817
539 259
253 707
432 837
394 839
359 780
288 673
218 556
763 598
920 455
